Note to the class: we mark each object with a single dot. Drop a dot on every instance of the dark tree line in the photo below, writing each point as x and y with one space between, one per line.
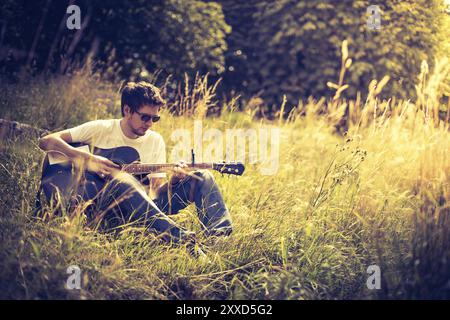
259 47
175 36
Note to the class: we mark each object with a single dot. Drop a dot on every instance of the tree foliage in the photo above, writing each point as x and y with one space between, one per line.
295 46
175 36
259 47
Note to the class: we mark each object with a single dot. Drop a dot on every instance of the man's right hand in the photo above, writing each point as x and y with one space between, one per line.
102 166
59 141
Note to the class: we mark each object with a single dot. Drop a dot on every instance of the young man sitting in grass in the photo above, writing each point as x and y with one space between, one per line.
140 104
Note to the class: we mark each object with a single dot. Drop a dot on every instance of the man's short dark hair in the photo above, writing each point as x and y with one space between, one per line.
135 95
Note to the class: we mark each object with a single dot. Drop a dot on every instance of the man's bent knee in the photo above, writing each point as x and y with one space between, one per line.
206 177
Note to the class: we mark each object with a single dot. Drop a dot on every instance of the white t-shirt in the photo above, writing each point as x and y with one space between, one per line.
108 134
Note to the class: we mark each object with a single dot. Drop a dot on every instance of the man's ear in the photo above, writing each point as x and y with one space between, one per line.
126 111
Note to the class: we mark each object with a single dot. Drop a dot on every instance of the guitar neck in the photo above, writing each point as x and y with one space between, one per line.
142 168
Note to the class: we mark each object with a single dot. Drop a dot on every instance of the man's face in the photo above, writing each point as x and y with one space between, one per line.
139 122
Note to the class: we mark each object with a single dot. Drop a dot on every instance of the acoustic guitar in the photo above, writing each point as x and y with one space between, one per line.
59 174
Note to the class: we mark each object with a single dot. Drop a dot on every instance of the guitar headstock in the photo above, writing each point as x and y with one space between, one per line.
235 168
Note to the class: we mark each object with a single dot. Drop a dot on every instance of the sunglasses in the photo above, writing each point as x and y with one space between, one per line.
147 117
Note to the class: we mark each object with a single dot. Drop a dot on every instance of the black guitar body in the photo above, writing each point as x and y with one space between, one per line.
69 182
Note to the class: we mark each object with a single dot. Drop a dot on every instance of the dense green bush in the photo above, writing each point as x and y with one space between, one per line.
294 47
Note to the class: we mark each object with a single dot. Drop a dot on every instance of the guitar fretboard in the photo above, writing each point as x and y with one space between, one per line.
142 168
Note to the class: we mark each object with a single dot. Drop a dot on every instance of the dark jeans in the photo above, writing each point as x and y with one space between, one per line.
124 202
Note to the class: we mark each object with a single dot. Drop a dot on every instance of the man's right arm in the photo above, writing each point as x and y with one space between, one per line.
59 142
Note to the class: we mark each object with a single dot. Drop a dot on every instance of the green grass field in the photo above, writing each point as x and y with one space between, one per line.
337 204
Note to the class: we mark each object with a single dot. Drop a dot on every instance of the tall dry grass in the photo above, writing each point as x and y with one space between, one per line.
59 101
376 194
